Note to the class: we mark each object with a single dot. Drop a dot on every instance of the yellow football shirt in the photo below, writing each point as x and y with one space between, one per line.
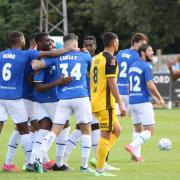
103 66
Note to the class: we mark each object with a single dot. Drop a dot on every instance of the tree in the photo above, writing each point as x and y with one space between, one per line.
80 18
159 19
22 15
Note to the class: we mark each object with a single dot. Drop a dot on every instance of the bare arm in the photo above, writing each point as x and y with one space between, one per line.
38 64
61 81
174 74
115 93
29 79
54 53
151 86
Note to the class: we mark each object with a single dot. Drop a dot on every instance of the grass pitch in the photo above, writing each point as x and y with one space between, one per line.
158 165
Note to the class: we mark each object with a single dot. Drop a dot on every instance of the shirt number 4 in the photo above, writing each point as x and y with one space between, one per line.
75 72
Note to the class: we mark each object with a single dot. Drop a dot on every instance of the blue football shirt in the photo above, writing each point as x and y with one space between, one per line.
28 90
75 64
139 74
125 58
46 76
13 63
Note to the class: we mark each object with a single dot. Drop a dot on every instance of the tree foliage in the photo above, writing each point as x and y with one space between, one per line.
159 19
18 15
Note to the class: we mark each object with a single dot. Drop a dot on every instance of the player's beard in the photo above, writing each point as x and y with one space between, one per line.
148 58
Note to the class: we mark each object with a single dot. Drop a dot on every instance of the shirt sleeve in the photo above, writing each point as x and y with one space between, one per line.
29 69
39 76
33 54
49 61
111 66
148 73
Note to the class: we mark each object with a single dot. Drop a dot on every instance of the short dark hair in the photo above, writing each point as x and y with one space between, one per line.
143 48
138 37
93 38
14 37
108 38
32 36
70 36
40 35
52 40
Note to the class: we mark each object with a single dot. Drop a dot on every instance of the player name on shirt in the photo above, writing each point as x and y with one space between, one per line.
9 56
125 55
135 69
67 57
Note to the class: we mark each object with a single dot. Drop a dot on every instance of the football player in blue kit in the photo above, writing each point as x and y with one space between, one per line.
13 63
46 101
73 98
125 58
32 122
140 86
89 43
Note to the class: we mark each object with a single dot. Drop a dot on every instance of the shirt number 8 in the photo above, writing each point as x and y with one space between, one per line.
95 78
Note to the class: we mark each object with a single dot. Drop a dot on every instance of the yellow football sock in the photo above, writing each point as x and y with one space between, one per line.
102 150
113 139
